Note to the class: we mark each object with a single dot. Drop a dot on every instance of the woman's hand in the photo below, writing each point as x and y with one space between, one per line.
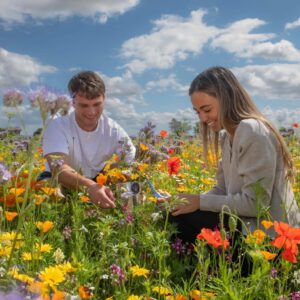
192 203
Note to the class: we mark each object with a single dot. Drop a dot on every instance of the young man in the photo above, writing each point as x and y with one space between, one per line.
85 139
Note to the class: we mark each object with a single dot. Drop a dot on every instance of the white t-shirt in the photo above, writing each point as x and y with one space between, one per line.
87 151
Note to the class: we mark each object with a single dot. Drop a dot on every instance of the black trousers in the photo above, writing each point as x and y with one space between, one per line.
190 225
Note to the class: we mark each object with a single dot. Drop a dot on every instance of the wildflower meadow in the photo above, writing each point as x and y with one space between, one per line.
55 244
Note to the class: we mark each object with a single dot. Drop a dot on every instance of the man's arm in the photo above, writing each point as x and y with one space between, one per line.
69 178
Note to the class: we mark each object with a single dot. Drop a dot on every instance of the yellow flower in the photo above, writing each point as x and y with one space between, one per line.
198 295
66 267
17 191
181 188
7 239
134 297
267 224
152 199
43 248
137 271
142 167
5 251
52 276
10 215
268 255
208 181
27 256
256 237
23 277
162 290
44 226
38 199
144 147
109 298
134 176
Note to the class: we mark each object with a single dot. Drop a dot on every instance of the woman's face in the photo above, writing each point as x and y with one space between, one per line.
207 108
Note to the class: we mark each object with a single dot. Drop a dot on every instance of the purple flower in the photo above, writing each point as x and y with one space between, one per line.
13 295
5 175
273 273
117 274
129 218
295 295
179 247
12 98
67 232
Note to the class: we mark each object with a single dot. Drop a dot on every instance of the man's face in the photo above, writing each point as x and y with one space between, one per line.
88 111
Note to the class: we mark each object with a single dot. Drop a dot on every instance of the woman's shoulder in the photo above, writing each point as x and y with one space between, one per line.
252 127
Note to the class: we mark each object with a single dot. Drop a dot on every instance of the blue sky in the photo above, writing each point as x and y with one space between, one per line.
148 52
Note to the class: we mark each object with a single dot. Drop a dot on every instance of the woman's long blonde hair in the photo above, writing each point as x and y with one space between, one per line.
235 106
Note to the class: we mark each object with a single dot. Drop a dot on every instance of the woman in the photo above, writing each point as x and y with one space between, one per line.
255 169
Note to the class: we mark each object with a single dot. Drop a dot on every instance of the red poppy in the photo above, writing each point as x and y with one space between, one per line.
296 125
173 165
213 238
288 238
170 150
163 133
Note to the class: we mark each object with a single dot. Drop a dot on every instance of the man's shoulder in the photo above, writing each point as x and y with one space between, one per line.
61 122
109 122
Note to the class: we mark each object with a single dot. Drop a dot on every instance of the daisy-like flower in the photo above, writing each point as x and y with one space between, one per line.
138 271
43 248
162 290
52 276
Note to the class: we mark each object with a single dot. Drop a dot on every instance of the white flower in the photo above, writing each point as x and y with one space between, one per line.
156 216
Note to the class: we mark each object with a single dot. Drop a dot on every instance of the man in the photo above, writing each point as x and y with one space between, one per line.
85 139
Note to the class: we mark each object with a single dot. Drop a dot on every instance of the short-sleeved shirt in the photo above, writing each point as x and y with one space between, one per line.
87 151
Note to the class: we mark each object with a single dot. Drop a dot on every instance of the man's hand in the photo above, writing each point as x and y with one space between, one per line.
102 196
192 203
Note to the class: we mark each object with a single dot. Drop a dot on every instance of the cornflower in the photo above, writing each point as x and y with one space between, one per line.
5 175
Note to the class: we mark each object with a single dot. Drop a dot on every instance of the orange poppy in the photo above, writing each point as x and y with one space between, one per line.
85 292
10 215
287 238
163 133
213 238
44 226
101 179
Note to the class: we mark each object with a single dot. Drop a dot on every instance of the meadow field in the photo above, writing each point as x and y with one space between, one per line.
56 245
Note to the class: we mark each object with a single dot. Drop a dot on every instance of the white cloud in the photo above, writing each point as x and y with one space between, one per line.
172 39
293 25
238 40
273 81
20 70
123 87
25 117
282 116
167 83
16 11
133 121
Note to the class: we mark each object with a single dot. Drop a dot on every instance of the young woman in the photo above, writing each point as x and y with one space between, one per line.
254 173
